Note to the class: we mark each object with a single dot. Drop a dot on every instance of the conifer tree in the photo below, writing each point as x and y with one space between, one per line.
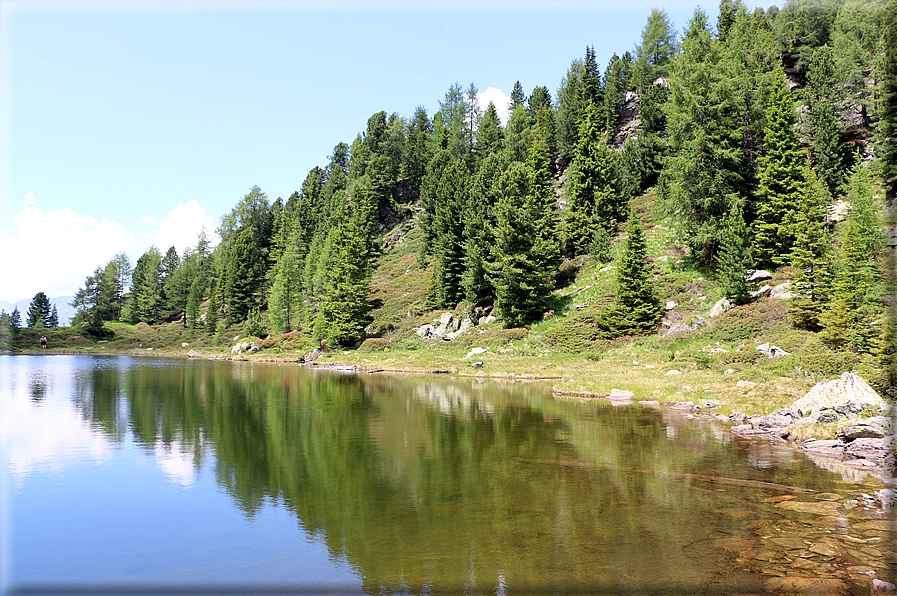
284 299
53 320
781 177
810 255
478 223
526 251
518 97
637 309
38 311
734 259
568 110
448 219
489 135
344 311
591 195
853 312
245 274
704 168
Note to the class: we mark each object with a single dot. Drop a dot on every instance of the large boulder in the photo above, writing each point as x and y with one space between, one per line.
845 397
720 307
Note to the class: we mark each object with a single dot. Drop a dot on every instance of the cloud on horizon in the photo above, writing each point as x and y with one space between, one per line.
54 251
181 227
500 100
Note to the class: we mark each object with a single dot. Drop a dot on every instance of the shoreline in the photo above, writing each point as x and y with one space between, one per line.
741 426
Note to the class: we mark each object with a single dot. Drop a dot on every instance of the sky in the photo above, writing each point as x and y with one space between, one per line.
127 123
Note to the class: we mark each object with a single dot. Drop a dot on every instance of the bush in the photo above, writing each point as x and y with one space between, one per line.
749 321
374 344
577 332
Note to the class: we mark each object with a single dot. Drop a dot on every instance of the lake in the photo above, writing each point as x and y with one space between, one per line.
166 476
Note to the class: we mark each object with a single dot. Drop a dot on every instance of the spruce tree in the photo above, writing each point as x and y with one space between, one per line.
489 134
478 223
810 255
448 221
38 311
245 274
637 309
734 259
283 301
591 196
781 177
53 320
345 308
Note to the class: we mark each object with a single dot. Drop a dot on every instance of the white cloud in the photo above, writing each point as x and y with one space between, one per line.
181 227
148 219
54 251
497 97
30 199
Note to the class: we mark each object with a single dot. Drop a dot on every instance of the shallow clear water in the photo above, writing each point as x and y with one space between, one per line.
145 475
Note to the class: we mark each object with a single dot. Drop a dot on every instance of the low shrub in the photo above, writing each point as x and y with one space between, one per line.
749 321
576 332
373 344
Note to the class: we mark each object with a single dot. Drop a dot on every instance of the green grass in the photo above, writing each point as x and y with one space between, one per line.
565 347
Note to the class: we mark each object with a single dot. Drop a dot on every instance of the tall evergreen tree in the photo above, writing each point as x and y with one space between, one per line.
526 252
810 255
343 313
245 275
637 309
568 110
734 259
283 302
705 163
38 311
591 195
451 198
657 48
53 320
781 179
518 97
489 134
479 221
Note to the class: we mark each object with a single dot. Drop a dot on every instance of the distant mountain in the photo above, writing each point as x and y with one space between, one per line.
63 309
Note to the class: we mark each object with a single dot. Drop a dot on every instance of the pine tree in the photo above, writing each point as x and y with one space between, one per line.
705 165
38 310
448 219
850 320
489 135
245 275
478 223
284 299
194 302
568 110
518 97
657 48
781 177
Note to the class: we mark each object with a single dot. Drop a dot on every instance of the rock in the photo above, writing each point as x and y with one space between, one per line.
838 210
883 586
887 497
193 354
488 319
313 355
476 351
444 326
730 371
620 394
862 429
671 304
719 308
685 327
477 364
184 344
758 275
462 329
762 292
649 402
782 292
745 384
673 372
771 421
824 447
874 450
772 351
426 331
848 395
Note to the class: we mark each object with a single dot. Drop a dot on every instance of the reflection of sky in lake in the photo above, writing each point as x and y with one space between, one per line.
83 507
47 433
41 428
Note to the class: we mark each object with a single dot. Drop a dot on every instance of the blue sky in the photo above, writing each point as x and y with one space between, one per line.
125 124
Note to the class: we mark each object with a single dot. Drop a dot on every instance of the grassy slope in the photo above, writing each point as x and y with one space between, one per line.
561 347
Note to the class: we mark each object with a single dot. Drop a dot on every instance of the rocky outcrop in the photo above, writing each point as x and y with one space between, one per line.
846 397
772 351
244 347
448 327
719 308
193 354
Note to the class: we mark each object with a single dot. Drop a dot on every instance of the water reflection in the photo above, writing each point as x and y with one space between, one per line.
439 486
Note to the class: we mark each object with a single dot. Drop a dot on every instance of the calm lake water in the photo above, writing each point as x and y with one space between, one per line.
143 475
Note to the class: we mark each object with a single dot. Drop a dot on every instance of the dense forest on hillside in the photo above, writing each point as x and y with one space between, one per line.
750 131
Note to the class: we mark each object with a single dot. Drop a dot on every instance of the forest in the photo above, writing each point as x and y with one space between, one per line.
750 132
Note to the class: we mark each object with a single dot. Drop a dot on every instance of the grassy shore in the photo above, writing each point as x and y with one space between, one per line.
703 365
